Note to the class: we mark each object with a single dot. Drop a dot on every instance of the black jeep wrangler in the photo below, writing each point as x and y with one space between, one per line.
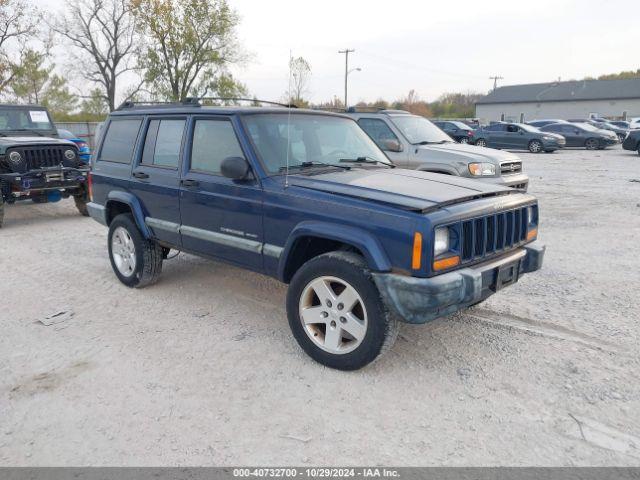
34 163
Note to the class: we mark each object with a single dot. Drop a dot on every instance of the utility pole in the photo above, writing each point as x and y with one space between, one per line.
495 81
346 74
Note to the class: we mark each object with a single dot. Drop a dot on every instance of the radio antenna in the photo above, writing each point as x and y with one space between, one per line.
286 175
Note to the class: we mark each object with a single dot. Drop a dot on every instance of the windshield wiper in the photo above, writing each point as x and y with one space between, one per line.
303 165
366 160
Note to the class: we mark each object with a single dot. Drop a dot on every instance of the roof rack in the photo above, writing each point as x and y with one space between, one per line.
196 102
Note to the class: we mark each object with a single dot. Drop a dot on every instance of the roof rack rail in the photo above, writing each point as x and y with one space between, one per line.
196 102
199 100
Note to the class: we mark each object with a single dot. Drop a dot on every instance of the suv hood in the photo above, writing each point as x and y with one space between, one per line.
407 189
467 153
8 142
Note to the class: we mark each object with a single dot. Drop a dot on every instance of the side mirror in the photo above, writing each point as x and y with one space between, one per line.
236 168
393 146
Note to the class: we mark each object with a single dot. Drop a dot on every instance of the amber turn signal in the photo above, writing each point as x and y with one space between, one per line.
416 259
445 263
531 234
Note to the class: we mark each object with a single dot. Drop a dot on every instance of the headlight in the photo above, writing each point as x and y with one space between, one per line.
15 157
69 154
441 242
482 169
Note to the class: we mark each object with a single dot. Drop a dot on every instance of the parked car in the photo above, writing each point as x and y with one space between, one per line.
518 136
542 123
460 132
621 124
414 142
83 147
632 142
307 197
619 133
582 135
634 123
34 163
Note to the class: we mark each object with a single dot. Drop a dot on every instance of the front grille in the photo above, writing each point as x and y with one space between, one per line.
41 157
508 168
485 236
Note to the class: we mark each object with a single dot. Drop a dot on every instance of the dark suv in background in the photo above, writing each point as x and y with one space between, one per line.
34 163
307 197
517 136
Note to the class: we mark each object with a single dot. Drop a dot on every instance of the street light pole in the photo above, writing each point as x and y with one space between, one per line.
346 74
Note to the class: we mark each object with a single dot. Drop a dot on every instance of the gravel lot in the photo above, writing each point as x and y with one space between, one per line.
201 369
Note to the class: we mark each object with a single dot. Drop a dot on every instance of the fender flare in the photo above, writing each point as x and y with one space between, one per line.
365 242
135 206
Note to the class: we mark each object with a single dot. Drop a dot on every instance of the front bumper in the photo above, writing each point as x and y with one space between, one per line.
419 300
554 144
44 179
518 180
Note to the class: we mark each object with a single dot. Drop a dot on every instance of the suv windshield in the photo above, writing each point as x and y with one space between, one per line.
21 119
419 130
314 140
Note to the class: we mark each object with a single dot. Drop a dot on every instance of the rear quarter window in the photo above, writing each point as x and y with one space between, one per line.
120 140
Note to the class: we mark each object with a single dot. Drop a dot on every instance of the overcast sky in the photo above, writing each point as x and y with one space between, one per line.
432 47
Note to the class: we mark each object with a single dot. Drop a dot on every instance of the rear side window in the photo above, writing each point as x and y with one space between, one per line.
163 143
120 141
378 130
213 141
497 127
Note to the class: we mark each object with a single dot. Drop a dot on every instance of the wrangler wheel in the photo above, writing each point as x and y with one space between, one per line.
136 261
336 313
81 205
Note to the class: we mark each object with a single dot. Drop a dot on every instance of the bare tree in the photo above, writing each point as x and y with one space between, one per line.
300 75
18 22
104 34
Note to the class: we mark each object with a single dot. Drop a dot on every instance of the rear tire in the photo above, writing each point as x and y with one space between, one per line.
535 146
464 140
81 205
346 325
136 261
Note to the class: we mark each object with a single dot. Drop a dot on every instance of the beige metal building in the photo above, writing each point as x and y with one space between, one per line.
576 99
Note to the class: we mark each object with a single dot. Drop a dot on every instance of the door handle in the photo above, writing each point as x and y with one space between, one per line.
190 183
141 175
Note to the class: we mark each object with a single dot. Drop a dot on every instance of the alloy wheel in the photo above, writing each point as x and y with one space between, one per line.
123 251
333 315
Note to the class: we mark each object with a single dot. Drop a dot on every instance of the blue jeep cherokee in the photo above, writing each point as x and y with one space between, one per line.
307 197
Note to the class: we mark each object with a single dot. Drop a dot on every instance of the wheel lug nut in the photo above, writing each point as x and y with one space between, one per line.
340 306
343 320
329 303
324 314
333 323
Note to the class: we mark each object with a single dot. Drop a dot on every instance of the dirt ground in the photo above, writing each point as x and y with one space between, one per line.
201 369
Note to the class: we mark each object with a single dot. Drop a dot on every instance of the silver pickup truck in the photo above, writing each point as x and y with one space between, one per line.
414 142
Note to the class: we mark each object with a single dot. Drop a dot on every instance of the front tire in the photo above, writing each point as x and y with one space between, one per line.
481 142
592 144
136 261
81 205
464 140
535 146
336 313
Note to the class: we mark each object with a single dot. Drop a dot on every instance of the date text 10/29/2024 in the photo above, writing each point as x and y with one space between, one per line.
291 472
